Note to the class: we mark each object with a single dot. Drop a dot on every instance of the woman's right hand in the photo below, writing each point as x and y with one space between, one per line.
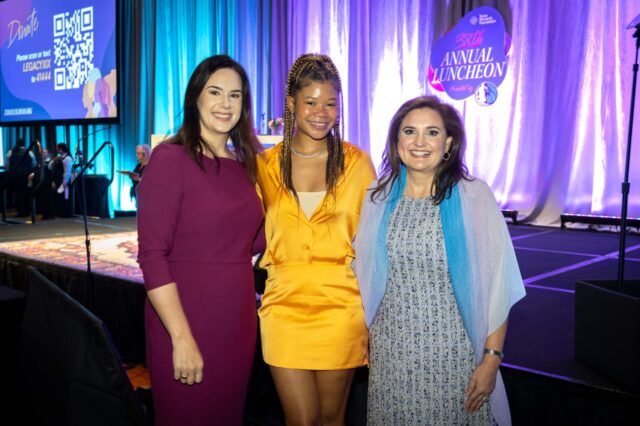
187 361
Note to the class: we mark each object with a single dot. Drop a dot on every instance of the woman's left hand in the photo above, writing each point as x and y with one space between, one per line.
482 383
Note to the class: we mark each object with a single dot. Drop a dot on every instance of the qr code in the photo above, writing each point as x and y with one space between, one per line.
72 48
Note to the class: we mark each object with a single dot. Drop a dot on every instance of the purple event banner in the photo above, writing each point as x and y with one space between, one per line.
57 60
471 59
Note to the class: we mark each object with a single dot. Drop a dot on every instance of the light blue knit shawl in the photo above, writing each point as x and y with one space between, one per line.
482 265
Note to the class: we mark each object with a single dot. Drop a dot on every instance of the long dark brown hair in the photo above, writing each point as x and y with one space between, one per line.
242 135
448 172
306 69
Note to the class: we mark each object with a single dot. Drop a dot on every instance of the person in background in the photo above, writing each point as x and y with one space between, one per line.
143 152
312 183
199 222
20 168
438 276
60 167
45 194
19 148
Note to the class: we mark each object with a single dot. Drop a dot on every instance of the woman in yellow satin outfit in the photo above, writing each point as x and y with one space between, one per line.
312 184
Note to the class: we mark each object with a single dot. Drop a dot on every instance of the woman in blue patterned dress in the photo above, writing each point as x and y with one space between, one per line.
438 276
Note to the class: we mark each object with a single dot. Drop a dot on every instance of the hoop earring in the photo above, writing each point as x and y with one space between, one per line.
446 156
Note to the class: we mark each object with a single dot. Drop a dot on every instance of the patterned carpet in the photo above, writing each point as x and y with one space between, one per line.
112 255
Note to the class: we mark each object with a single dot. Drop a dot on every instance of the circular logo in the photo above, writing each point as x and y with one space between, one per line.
486 93
473 20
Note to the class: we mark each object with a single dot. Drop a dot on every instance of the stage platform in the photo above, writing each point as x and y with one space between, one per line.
57 249
546 385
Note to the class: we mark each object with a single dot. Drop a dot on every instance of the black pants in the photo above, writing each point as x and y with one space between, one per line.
62 207
45 201
21 194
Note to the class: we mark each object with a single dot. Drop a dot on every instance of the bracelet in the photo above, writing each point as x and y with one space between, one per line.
494 352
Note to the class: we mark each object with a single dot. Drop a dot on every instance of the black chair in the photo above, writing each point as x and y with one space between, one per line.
12 305
71 372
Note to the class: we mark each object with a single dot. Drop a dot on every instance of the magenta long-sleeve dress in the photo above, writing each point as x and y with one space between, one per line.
198 228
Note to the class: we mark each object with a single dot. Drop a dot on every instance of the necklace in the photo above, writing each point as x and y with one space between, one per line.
300 154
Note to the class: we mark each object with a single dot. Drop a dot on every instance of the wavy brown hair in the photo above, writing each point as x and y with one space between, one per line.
448 173
242 135
306 69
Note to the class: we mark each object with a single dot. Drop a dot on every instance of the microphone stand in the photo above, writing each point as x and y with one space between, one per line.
78 164
83 195
625 184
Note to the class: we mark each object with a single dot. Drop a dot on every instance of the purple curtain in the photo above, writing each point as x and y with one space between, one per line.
555 139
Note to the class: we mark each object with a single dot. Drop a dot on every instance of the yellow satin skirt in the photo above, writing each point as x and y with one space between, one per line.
312 318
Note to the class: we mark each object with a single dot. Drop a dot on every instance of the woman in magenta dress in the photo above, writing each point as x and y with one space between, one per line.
199 222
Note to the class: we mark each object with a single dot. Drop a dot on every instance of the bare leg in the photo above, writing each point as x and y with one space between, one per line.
333 389
299 396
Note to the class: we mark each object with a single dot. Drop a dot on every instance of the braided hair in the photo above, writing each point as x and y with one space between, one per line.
306 69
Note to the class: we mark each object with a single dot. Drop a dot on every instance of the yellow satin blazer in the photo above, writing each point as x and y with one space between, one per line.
311 315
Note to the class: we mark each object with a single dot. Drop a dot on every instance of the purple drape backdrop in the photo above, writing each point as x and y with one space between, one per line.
553 142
